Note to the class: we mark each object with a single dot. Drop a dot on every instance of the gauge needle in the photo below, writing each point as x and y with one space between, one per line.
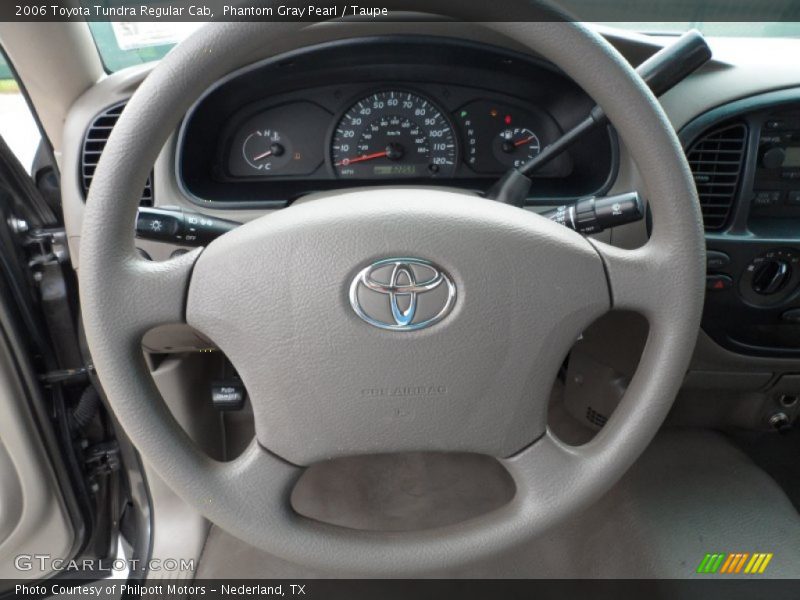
349 161
523 141
263 155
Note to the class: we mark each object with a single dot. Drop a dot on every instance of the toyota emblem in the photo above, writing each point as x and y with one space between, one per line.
402 294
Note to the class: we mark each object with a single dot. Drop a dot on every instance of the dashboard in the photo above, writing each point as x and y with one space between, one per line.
420 111
454 113
745 156
741 113
435 110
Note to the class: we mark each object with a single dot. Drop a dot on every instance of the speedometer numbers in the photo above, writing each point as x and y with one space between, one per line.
393 134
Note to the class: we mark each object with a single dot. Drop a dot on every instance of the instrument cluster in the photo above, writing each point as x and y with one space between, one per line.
416 111
386 134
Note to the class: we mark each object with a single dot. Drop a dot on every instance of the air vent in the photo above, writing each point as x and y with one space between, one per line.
716 161
95 141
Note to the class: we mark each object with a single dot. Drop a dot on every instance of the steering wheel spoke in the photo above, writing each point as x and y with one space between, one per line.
152 293
638 279
270 477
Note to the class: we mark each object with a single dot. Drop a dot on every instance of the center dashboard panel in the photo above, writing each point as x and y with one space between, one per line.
386 111
745 157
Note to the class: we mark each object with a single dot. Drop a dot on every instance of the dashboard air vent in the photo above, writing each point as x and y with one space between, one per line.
93 144
716 160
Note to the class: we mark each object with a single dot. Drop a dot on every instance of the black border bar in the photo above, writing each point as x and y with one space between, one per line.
644 11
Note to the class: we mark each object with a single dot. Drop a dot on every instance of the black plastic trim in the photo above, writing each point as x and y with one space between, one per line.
81 178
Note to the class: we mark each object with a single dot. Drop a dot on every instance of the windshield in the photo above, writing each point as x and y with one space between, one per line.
124 44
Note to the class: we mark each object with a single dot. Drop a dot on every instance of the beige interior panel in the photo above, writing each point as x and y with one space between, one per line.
179 532
33 516
60 66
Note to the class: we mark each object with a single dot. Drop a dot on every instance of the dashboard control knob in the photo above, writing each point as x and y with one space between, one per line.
771 276
779 421
773 157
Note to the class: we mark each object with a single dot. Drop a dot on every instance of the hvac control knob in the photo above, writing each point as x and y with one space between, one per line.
773 157
771 276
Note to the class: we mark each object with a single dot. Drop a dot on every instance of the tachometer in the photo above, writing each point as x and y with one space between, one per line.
394 134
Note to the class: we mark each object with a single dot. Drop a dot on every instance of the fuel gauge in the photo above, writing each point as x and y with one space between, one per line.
499 136
515 146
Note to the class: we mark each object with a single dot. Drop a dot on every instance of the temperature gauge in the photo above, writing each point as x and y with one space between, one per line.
266 150
281 142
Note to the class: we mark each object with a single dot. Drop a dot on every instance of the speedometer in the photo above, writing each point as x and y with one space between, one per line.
394 134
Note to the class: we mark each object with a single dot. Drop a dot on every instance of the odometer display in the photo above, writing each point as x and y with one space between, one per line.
393 134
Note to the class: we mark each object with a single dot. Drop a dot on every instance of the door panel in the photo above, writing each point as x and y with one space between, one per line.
33 514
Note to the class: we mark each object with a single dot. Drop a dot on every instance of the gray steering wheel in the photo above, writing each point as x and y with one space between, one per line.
273 295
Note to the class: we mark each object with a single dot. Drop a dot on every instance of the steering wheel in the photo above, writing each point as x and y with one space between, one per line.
515 291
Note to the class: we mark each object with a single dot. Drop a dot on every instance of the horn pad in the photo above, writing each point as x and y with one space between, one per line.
397 320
